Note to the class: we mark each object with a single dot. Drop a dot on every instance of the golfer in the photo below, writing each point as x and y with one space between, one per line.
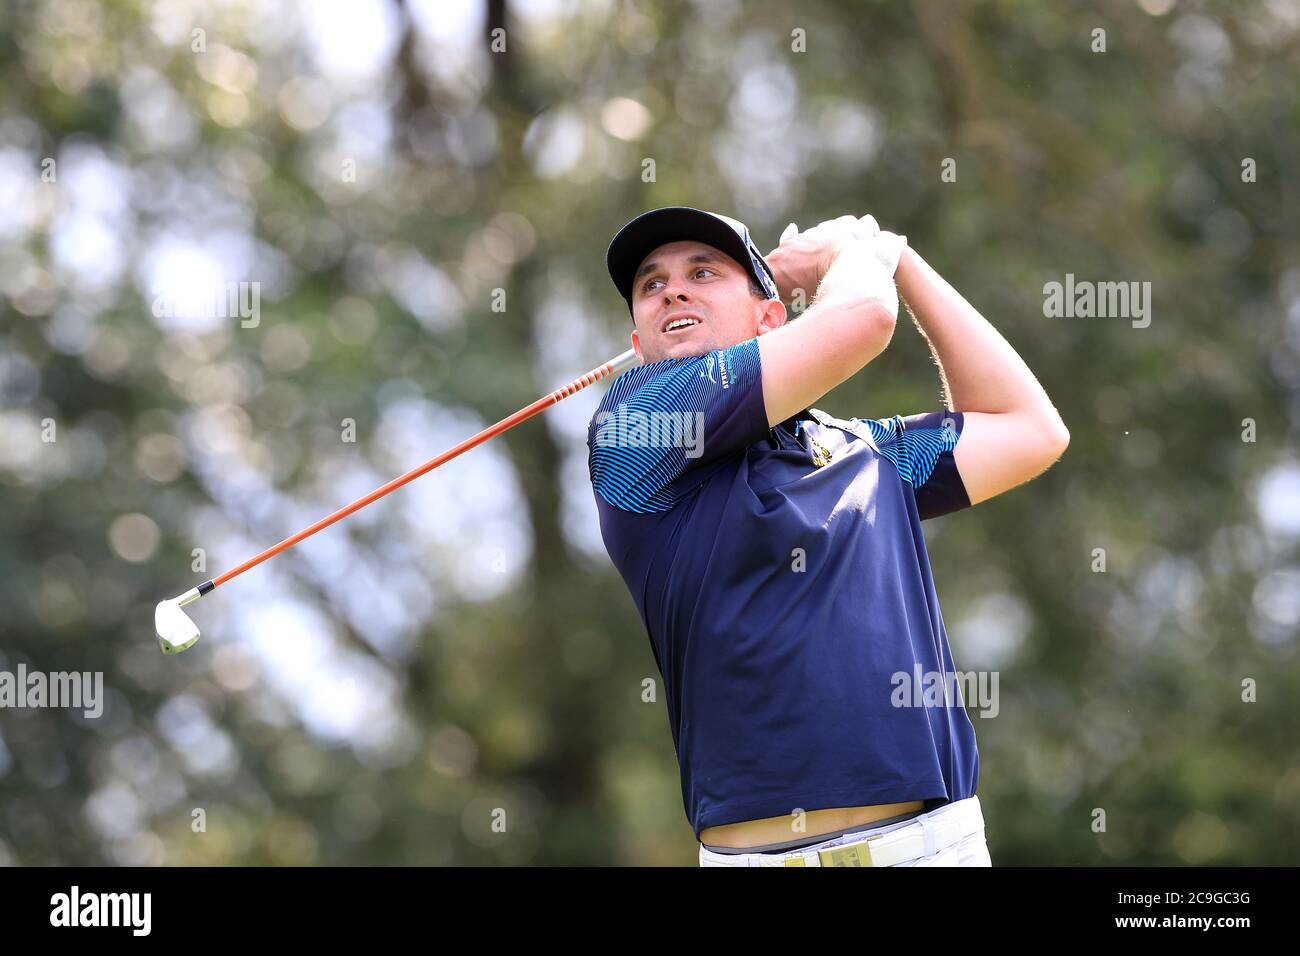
775 552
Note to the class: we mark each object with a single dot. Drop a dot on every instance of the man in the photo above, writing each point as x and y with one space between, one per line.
775 552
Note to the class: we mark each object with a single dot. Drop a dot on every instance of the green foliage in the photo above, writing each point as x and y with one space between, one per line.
464 648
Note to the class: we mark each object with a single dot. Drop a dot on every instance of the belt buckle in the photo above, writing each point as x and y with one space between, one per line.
859 854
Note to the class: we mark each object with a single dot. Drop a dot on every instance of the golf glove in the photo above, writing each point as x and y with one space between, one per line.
886 246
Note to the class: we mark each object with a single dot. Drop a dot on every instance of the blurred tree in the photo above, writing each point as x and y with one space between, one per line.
462 657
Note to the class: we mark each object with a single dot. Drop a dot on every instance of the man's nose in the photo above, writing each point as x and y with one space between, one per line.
676 290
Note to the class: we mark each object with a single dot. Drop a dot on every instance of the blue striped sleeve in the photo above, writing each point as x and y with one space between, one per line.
921 448
660 424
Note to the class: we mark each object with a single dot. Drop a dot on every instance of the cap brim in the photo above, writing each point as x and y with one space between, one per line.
647 232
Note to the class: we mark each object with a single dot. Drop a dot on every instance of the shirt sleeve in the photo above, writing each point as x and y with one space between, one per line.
921 448
661 426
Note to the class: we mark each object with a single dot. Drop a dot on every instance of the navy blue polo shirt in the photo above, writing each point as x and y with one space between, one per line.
785 586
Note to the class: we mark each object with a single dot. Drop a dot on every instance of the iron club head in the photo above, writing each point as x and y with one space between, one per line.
176 632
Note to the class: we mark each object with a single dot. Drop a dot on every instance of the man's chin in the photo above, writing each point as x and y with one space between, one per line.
681 350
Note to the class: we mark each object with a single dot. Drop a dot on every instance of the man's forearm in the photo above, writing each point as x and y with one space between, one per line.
979 369
849 323
855 292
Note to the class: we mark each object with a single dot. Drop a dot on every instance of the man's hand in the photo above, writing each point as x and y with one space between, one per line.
801 259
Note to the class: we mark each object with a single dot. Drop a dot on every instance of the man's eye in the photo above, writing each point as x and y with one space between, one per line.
646 287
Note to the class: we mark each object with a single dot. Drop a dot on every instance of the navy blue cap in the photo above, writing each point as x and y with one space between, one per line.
648 231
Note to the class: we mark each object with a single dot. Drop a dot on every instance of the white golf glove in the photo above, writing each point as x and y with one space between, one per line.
886 246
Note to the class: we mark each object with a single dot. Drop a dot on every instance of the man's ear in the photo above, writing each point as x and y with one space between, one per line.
636 345
772 317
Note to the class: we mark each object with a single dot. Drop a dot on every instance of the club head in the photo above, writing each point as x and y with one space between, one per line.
176 632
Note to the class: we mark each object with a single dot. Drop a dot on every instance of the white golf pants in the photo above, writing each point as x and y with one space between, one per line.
950 835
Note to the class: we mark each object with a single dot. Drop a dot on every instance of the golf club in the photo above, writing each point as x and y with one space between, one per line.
176 632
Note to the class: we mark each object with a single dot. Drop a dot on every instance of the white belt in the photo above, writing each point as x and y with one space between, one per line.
921 836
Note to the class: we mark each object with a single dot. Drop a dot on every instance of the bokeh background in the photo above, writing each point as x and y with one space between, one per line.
463 651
